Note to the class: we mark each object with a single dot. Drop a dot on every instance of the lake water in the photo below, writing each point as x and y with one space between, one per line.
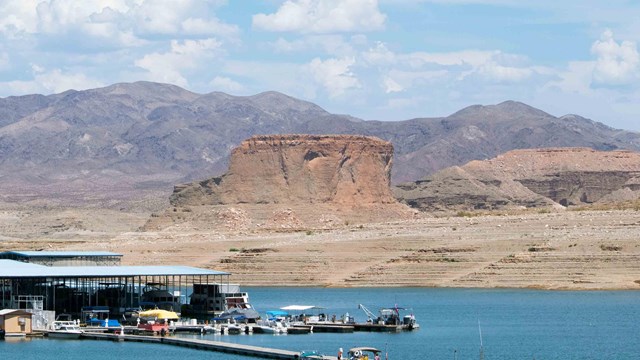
515 324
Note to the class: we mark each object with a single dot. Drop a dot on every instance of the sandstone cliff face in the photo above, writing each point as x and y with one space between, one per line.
276 169
291 182
530 178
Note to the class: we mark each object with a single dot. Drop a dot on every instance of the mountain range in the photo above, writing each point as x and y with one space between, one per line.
147 136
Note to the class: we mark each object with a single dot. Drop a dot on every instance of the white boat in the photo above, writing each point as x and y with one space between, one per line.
65 330
389 317
269 327
364 353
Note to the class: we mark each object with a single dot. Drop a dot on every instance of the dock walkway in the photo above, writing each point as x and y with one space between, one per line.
208 345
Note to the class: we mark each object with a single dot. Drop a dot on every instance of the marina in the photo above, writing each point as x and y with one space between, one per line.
449 319
516 324
91 296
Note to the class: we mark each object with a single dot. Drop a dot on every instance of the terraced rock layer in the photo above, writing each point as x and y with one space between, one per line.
563 250
557 250
530 178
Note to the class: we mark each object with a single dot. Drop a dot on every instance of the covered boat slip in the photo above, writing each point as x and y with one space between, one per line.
70 289
64 258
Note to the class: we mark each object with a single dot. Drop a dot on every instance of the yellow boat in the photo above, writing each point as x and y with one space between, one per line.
159 314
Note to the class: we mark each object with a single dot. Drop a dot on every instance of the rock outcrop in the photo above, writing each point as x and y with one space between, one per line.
295 181
277 169
530 178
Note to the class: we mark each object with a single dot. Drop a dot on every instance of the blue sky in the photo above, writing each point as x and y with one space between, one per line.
379 60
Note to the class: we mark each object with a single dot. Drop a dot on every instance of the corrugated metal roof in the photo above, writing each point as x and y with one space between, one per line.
61 253
18 269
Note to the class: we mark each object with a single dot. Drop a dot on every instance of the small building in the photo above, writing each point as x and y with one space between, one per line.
15 322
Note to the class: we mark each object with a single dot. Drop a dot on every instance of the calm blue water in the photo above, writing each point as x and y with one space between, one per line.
516 324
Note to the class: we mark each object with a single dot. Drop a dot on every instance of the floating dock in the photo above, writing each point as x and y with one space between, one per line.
207 345
377 327
331 327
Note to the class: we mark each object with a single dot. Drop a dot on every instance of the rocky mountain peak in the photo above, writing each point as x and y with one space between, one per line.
503 111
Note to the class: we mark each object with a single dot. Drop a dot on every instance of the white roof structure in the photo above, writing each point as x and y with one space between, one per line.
63 254
18 269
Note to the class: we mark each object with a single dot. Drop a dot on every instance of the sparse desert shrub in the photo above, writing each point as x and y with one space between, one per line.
540 248
464 214
234 249
604 247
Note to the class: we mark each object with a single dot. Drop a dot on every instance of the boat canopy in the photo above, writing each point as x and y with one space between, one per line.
274 313
300 307
364 349
159 314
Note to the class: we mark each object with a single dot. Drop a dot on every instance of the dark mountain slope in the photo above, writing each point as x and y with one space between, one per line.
150 136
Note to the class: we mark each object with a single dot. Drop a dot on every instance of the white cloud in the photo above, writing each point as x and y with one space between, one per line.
379 55
323 16
214 26
493 71
492 66
473 58
58 81
617 64
576 79
18 17
286 77
391 86
225 84
187 55
53 81
334 75
123 20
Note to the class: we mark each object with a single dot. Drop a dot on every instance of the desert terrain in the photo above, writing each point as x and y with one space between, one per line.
309 210
548 249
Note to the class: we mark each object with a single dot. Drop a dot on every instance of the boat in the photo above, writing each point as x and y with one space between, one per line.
212 299
309 318
98 316
246 314
235 329
310 355
65 330
270 326
156 295
364 353
156 320
388 319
